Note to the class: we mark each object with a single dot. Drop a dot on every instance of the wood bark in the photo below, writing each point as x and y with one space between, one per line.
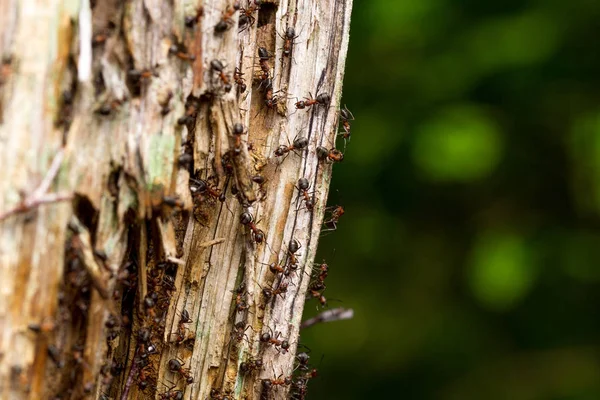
107 109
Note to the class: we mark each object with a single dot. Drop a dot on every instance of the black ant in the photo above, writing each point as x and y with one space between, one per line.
238 131
302 359
322 99
247 18
190 20
283 344
251 365
201 187
333 155
176 366
226 19
298 144
191 109
239 81
293 248
218 66
271 99
247 219
303 186
145 379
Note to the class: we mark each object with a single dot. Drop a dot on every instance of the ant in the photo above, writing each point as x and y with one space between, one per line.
218 66
190 21
247 219
333 155
145 380
302 187
240 302
191 109
269 383
283 344
239 81
226 21
263 61
247 18
322 99
201 187
216 394
298 144
251 365
137 75
281 290
171 394
271 99
181 329
239 331
289 37
238 131
176 366
346 116
336 213
293 248
303 359
180 52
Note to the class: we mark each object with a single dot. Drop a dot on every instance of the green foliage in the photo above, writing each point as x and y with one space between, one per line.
470 248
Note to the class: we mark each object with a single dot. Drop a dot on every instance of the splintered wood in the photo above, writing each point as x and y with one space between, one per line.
153 240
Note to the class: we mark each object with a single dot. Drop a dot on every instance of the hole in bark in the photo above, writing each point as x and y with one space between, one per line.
86 213
266 14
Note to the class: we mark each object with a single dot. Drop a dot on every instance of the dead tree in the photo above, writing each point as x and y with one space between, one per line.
153 234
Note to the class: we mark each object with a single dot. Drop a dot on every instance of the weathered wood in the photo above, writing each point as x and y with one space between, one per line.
132 120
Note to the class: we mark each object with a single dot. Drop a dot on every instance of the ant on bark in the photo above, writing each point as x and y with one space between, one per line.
218 67
288 40
239 331
171 394
303 186
247 219
238 131
180 52
322 99
176 366
333 155
267 338
263 61
299 143
247 18
251 365
181 334
240 301
226 21
216 394
239 81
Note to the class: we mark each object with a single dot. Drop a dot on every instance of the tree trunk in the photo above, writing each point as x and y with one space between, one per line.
117 213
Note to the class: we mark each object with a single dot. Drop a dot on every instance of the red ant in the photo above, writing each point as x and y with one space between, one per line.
238 131
176 366
346 116
201 187
145 380
322 99
283 344
269 383
181 53
263 60
190 21
251 365
239 331
143 74
293 248
298 144
226 19
240 302
281 290
217 66
333 155
247 219
239 81
216 394
171 394
181 329
247 18
289 37
336 213
303 186
271 99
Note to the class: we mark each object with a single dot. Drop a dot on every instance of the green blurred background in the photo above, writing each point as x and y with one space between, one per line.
470 248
